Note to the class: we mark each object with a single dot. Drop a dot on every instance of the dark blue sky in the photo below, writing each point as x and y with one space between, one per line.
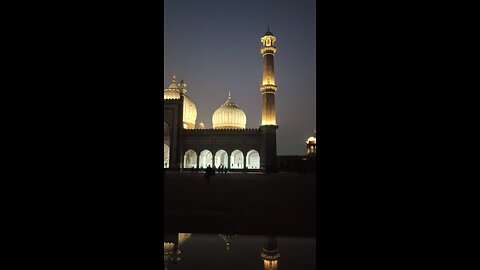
214 46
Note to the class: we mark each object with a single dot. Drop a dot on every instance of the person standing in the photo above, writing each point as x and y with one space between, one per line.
208 171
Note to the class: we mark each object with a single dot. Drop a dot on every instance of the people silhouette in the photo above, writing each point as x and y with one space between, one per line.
208 171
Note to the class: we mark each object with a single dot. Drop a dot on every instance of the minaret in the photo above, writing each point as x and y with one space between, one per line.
270 254
269 119
268 87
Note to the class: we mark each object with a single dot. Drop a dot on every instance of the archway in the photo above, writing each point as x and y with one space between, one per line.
166 155
236 160
190 159
206 158
253 160
221 158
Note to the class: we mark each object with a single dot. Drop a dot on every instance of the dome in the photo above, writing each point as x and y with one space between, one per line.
174 91
229 115
313 139
189 112
201 125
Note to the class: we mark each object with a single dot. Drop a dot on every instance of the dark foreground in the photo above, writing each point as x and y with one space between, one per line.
239 203
239 252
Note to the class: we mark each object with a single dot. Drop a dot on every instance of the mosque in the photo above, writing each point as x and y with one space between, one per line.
229 143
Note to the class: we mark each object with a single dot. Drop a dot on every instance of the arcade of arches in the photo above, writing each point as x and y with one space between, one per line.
166 155
236 160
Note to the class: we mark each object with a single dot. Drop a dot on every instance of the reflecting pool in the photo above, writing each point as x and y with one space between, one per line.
231 251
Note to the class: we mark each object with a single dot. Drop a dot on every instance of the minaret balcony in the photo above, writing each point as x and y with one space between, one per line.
268 88
268 50
270 255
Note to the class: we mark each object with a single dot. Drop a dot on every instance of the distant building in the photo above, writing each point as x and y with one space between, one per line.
300 164
312 145
229 143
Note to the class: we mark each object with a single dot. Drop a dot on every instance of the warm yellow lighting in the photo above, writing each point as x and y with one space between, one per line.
268 40
182 237
185 126
270 265
229 115
167 247
268 50
269 123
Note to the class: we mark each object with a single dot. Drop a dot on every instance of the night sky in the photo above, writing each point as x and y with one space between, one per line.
215 47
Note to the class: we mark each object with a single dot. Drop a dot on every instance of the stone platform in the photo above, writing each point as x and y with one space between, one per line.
240 203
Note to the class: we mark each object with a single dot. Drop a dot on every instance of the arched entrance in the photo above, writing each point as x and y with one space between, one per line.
190 159
206 158
221 158
166 155
236 160
253 160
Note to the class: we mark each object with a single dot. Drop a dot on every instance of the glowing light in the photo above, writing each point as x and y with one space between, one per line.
268 40
269 123
270 265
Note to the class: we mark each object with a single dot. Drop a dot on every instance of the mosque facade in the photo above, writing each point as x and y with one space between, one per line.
228 143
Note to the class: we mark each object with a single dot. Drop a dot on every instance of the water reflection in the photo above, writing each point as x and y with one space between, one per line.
227 238
229 251
270 254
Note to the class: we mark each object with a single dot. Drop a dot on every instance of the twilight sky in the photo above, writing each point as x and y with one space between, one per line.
215 46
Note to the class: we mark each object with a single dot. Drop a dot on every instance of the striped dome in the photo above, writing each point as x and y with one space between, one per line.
229 116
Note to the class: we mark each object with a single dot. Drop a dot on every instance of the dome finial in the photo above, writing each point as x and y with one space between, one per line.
268 33
173 79
229 95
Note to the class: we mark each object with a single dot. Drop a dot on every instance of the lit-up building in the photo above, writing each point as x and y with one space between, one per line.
228 143
312 145
301 163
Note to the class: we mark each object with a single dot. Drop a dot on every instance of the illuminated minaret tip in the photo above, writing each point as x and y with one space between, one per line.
268 87
270 254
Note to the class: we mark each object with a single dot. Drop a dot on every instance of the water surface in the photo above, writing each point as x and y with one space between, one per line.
184 251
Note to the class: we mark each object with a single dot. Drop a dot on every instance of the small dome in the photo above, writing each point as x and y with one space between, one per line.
201 125
313 139
172 91
229 115
175 91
